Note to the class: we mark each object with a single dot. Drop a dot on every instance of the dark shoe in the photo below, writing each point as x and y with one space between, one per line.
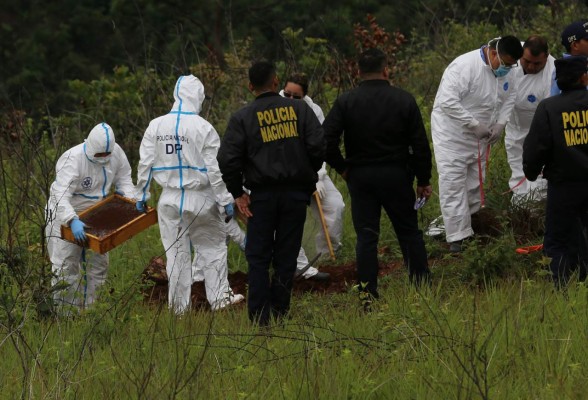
367 306
320 277
367 299
456 247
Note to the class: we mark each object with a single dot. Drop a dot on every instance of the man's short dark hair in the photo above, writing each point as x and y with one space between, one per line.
537 45
299 79
569 70
261 74
508 45
372 60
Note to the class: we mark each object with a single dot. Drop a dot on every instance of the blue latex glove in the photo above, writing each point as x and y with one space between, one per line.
77 228
119 193
230 211
140 205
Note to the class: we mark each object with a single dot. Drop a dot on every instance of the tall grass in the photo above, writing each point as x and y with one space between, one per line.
517 339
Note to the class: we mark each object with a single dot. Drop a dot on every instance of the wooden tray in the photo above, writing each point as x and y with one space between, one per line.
111 222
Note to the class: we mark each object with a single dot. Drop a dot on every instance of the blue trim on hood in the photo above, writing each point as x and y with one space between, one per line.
178 152
107 138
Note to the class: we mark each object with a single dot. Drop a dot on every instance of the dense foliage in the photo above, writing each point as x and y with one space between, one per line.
44 45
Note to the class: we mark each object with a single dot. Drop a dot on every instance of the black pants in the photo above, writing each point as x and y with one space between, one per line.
274 236
565 229
389 186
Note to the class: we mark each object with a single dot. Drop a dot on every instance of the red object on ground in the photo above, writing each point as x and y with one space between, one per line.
529 249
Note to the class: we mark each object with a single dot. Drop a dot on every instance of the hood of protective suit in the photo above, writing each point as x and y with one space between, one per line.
188 94
100 140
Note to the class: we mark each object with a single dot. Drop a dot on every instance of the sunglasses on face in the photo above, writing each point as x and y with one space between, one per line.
291 95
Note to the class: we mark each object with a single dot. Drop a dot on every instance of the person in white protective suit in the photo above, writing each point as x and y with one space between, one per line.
474 100
84 175
533 85
234 233
179 151
332 204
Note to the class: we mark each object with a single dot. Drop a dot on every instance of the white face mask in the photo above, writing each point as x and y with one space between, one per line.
101 160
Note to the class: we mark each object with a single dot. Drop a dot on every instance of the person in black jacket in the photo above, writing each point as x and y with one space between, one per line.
274 147
557 145
386 146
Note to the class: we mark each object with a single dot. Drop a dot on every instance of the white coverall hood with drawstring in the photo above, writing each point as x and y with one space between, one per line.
173 134
179 151
531 90
81 182
469 94
100 140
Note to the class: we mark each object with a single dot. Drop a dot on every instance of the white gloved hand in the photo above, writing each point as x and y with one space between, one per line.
495 133
481 131
321 190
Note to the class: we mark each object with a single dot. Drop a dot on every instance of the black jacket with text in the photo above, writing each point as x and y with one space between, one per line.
380 124
272 143
557 142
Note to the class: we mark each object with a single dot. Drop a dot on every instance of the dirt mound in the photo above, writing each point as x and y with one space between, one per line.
342 277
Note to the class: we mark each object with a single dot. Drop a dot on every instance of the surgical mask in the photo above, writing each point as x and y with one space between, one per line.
501 71
101 160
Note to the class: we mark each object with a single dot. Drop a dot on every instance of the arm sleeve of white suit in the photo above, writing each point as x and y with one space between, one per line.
319 112
147 157
323 171
62 189
123 181
508 104
554 90
538 144
454 86
209 153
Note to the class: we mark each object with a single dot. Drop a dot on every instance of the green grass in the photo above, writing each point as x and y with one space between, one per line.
513 339
491 326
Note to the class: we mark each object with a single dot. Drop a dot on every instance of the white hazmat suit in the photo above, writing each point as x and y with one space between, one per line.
469 94
179 151
331 203
531 89
82 180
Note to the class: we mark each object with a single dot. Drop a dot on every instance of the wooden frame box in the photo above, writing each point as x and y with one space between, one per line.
111 222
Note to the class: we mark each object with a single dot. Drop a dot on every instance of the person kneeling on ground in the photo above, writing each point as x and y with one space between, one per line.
84 175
